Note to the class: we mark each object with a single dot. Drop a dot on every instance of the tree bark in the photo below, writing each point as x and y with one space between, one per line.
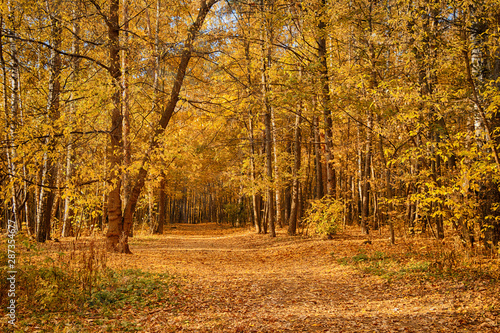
365 195
317 160
125 104
120 225
255 193
11 113
267 122
277 179
50 167
256 197
292 223
68 212
116 235
477 77
325 101
162 209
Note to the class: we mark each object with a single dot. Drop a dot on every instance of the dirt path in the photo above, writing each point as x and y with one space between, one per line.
243 282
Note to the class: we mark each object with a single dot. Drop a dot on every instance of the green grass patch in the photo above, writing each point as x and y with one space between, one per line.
133 288
383 265
76 291
426 264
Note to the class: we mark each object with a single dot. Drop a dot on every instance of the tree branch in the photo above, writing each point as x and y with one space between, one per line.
81 56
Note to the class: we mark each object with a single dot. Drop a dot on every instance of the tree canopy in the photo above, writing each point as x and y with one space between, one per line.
299 114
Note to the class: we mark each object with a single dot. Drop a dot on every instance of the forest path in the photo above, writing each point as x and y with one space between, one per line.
237 281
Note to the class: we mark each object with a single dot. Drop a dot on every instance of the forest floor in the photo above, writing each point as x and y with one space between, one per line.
239 281
234 280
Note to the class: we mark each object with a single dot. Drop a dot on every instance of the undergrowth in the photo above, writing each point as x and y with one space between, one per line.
423 264
324 216
59 287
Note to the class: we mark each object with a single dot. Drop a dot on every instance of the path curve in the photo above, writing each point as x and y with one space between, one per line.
243 282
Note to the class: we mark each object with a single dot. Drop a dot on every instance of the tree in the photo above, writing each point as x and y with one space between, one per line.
121 224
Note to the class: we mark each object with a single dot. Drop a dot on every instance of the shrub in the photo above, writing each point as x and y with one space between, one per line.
325 216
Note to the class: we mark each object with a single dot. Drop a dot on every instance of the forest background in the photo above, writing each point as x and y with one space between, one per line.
300 114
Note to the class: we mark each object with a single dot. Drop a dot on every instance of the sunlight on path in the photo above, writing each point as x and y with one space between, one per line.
238 281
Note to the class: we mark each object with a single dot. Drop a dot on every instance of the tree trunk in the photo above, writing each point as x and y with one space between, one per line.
116 235
277 180
325 101
287 191
266 53
68 213
269 170
162 209
125 104
50 167
122 225
365 195
317 160
292 223
388 191
11 113
487 70
255 194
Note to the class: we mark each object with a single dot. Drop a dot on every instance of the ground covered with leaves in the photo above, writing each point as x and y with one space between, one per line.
211 278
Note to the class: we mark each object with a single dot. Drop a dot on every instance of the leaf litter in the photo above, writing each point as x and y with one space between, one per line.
234 280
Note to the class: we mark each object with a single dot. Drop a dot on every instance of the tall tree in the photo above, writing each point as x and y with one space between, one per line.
325 96
266 63
49 166
120 225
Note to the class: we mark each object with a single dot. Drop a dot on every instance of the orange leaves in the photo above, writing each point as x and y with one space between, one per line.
232 280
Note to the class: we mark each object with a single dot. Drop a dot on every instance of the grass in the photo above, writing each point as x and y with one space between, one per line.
384 265
56 288
409 262
133 288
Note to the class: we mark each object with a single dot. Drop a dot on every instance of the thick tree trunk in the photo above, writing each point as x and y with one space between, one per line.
116 235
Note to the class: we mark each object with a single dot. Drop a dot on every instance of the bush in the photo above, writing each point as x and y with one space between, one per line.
325 216
52 280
